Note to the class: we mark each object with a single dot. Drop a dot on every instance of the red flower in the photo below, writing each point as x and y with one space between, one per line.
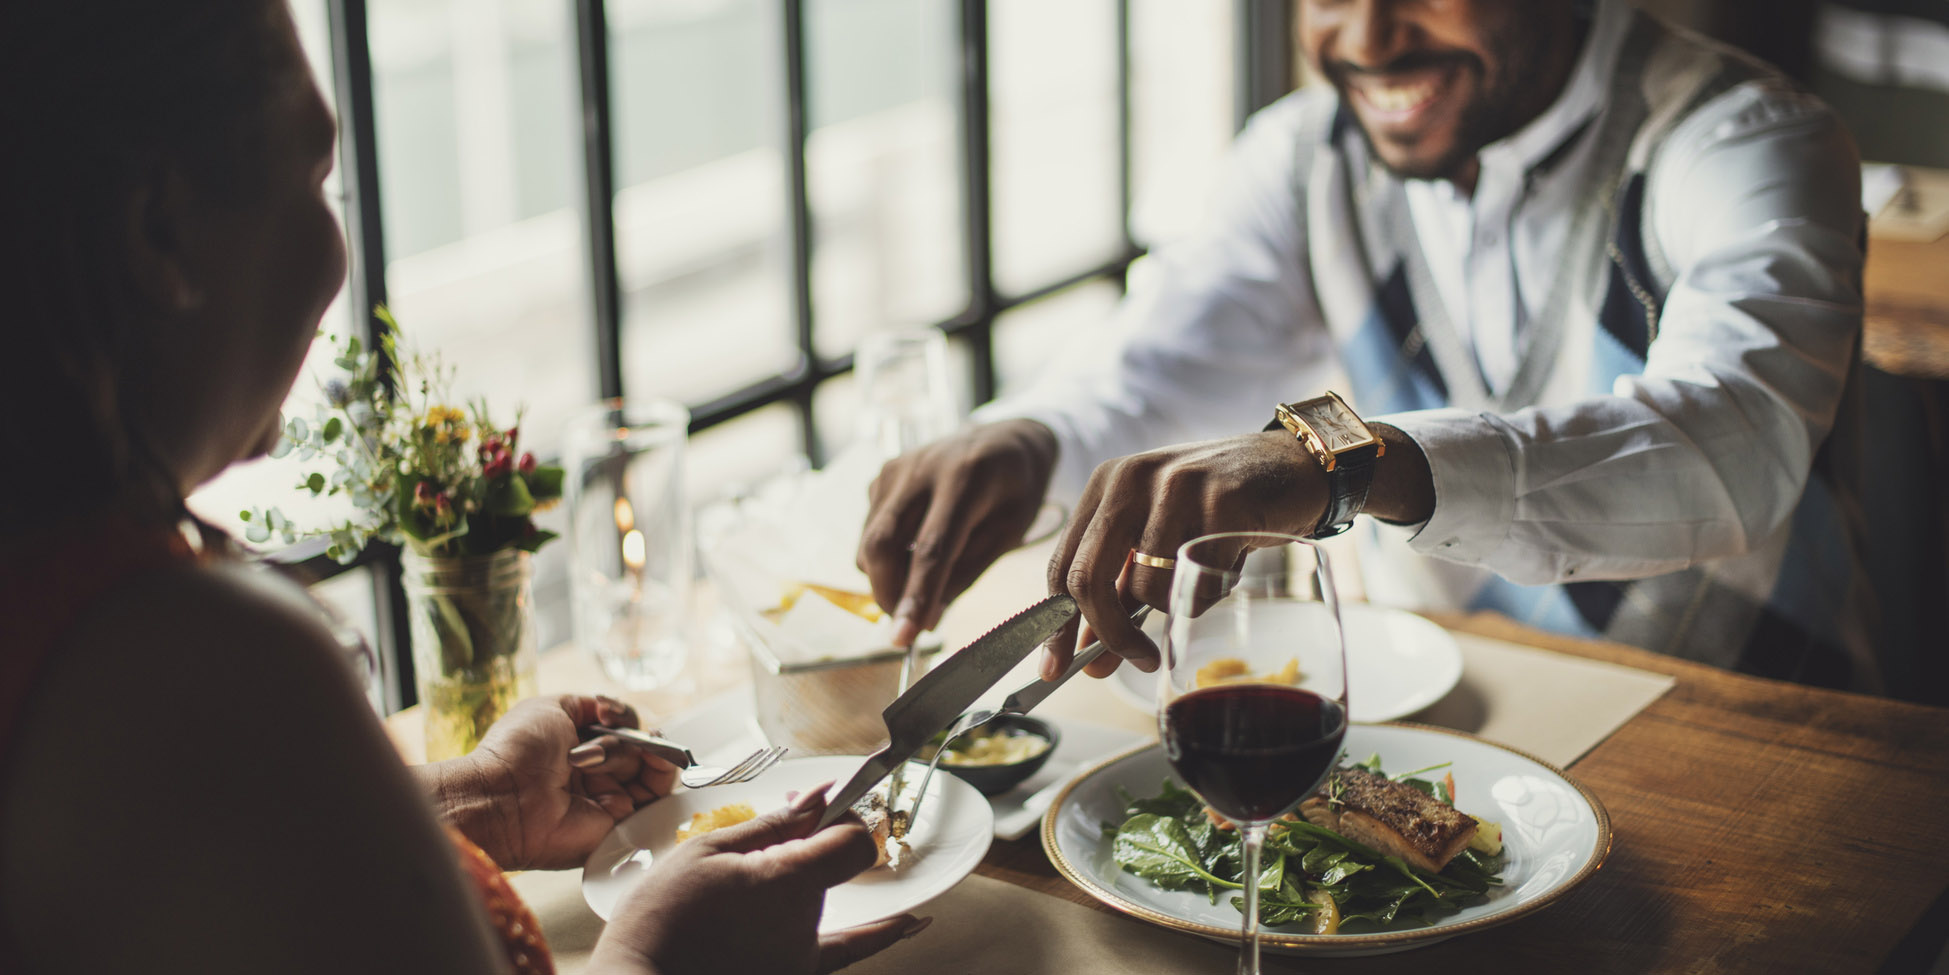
423 494
499 464
513 434
527 465
441 505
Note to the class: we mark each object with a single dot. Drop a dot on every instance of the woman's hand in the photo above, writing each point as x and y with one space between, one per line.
747 898
533 795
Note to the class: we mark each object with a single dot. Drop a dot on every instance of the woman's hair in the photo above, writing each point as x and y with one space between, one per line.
97 99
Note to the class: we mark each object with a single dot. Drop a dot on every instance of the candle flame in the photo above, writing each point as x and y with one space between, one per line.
633 550
625 515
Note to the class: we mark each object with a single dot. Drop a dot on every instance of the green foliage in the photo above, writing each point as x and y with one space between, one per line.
1169 841
417 471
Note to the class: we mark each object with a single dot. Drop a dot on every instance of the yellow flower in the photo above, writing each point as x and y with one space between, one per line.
438 415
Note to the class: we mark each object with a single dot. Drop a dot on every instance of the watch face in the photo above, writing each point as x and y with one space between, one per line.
1337 426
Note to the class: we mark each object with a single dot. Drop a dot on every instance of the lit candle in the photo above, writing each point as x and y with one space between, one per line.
633 552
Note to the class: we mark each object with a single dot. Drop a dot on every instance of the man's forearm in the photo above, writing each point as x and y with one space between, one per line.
1403 491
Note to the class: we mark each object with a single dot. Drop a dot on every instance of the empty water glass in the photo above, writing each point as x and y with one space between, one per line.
630 549
906 397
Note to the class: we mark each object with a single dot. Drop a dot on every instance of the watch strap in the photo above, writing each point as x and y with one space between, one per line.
1348 482
1347 486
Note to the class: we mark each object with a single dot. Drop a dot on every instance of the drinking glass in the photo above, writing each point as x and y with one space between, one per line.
630 549
1252 691
906 398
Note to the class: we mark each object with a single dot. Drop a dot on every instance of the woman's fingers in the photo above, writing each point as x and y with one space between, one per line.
842 948
588 709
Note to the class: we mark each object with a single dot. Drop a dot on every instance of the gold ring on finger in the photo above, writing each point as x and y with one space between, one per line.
1154 561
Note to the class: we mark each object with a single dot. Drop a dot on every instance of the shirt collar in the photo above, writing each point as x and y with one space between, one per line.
1584 94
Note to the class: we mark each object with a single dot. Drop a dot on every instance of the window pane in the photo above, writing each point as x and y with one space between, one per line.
883 168
700 209
1073 322
1181 67
347 599
739 453
267 482
1053 96
485 256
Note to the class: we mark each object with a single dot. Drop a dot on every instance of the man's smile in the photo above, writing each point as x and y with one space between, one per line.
1403 104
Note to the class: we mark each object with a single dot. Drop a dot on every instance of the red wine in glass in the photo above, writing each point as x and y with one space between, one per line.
1253 751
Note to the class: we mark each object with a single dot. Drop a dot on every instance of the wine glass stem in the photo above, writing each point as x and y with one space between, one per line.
1253 837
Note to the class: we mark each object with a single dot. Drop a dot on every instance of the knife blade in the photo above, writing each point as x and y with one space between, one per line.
1034 692
935 700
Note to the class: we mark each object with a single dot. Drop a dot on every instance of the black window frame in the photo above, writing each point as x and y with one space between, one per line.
1263 72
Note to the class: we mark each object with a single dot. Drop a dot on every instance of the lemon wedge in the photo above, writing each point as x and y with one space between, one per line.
1326 920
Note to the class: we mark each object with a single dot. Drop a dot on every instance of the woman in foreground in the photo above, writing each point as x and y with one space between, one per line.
190 779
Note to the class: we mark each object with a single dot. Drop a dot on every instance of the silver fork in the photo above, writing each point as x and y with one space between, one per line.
693 775
754 765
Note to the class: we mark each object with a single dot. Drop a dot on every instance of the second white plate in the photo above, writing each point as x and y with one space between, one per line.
946 843
1397 664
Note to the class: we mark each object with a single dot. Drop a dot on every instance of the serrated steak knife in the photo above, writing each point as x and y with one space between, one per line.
938 698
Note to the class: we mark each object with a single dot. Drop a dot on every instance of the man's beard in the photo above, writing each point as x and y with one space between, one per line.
1498 109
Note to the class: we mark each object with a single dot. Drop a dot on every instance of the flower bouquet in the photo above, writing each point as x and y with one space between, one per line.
457 494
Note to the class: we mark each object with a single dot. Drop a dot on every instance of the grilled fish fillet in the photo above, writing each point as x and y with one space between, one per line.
1391 817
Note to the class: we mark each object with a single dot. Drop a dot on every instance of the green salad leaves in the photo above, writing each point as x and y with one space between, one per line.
1169 841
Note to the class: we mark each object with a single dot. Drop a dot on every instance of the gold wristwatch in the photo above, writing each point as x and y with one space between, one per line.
1346 448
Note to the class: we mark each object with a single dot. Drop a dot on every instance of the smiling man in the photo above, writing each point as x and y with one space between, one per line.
1591 286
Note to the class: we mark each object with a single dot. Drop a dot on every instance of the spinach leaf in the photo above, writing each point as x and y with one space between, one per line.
1173 801
1159 849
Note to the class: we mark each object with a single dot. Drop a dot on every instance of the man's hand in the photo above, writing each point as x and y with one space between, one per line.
533 795
942 514
747 898
1152 503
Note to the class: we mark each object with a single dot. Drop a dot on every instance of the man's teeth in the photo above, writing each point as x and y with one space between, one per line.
1401 98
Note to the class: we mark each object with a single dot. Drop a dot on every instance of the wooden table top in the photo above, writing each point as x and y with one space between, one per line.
1758 827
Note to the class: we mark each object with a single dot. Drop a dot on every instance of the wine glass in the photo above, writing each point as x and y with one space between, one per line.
1252 691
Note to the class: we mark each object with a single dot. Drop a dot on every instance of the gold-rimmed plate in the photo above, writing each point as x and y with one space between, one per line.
1555 835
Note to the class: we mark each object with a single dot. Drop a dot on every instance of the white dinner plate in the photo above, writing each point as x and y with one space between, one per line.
1397 663
1555 834
952 835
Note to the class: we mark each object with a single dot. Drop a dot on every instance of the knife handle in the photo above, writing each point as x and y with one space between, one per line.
1032 694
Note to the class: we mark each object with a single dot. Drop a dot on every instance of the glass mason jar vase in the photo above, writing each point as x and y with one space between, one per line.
473 627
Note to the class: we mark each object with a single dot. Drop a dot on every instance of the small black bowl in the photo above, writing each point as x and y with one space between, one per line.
993 780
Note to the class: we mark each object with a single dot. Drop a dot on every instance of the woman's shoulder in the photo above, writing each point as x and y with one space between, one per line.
199 733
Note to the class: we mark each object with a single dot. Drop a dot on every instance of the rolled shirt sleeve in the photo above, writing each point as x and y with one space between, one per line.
1754 203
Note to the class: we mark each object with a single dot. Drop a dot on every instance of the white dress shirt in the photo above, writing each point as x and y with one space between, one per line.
1752 202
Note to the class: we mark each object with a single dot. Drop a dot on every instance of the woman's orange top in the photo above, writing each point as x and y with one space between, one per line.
40 601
